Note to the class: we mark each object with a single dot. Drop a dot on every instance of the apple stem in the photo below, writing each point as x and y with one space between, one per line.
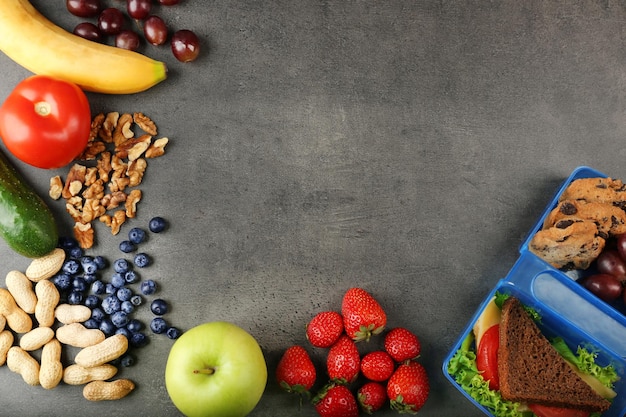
207 371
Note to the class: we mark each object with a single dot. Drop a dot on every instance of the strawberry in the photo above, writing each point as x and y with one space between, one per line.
408 387
377 365
343 361
402 344
336 401
371 396
295 372
362 315
324 329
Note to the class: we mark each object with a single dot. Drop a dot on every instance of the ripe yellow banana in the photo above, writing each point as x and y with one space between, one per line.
42 47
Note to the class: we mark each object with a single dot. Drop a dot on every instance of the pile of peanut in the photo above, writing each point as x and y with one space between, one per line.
101 192
36 321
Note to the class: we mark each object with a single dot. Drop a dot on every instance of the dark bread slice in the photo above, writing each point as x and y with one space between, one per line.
532 371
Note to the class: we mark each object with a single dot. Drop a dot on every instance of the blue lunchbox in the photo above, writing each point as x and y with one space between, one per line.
567 309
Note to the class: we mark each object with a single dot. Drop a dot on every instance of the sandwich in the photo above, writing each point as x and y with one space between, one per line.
509 367
530 370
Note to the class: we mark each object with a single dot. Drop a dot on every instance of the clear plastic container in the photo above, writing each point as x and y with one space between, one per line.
567 309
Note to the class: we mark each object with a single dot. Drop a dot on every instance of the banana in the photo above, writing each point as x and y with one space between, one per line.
42 47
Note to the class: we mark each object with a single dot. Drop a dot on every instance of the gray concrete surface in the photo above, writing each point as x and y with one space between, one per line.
405 147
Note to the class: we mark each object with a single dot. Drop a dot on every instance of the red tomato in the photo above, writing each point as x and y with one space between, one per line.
487 356
45 122
544 411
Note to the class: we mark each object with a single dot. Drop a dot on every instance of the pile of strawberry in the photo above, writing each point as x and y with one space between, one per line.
390 374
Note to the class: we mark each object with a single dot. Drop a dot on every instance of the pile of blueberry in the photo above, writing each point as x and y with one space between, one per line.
114 299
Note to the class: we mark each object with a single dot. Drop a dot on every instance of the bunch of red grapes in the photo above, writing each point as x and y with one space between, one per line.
608 278
112 22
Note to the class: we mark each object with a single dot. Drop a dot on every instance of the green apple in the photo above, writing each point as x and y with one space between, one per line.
216 369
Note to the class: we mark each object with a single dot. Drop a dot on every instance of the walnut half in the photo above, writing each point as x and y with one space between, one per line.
84 234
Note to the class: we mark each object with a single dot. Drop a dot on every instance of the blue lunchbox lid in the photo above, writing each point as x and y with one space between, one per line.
567 309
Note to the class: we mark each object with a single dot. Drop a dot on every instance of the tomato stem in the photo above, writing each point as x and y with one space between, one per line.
42 108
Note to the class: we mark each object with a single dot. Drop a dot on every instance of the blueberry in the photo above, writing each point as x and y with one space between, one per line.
98 287
76 252
92 301
136 300
134 326
158 307
124 294
124 331
89 268
75 297
127 360
131 277
148 287
141 260
138 339
110 288
90 278
98 314
111 304
128 307
119 319
71 266
79 284
121 265
158 325
67 242
136 235
62 281
157 224
88 264
118 280
107 327
173 333
127 246
91 324
101 262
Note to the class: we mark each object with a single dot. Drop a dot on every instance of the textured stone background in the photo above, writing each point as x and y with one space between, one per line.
406 147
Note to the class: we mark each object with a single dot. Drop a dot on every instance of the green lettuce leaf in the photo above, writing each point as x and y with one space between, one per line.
462 367
585 361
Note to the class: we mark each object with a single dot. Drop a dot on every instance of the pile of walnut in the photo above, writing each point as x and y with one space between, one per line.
29 306
574 233
100 192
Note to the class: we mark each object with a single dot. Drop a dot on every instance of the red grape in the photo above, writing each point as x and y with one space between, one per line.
609 262
168 2
604 286
88 31
185 45
155 30
138 9
110 21
127 39
83 8
620 243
